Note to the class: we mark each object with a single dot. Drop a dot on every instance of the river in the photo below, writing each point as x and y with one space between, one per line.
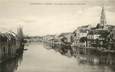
39 59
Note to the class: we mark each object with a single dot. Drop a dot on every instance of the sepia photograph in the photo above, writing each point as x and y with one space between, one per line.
57 35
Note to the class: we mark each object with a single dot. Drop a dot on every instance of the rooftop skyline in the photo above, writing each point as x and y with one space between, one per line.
52 19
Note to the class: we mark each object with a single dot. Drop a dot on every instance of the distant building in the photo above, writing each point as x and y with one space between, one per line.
67 36
81 31
48 37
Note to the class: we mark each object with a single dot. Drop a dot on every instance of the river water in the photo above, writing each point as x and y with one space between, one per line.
39 59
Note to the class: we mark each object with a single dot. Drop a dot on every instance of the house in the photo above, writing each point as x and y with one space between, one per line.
81 31
66 36
80 34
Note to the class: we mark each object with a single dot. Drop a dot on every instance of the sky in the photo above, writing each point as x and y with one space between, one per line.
42 17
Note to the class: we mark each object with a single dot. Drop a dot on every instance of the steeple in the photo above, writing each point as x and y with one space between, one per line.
102 17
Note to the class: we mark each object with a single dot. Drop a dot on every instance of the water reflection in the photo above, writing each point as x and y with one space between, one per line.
38 59
11 65
90 62
89 56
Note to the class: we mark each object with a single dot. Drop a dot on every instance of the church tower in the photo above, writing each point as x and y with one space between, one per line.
102 18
